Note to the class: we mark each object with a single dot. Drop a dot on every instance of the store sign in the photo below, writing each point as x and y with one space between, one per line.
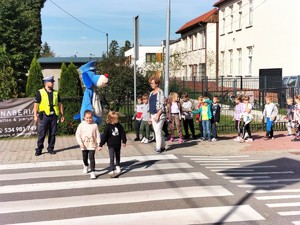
16 118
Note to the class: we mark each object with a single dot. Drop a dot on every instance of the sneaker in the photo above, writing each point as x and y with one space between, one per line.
214 139
203 139
111 174
136 139
118 170
142 141
93 175
158 151
237 139
85 169
194 137
241 140
295 139
249 140
180 140
171 139
146 141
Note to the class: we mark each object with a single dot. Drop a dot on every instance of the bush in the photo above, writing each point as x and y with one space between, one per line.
72 107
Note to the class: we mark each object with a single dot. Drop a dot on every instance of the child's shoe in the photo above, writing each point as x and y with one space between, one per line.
142 141
214 139
171 139
180 140
146 141
118 170
93 175
249 140
85 169
111 174
136 139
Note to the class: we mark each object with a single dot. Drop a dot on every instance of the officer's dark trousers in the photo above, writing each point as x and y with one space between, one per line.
48 123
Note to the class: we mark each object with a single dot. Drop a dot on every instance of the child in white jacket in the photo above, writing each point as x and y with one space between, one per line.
88 138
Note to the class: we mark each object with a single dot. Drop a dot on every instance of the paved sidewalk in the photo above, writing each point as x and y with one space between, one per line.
21 150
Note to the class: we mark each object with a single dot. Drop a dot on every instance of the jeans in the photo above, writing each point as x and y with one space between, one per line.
157 127
214 130
206 128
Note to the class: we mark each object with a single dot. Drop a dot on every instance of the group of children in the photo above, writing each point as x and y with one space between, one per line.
207 116
293 117
178 112
243 118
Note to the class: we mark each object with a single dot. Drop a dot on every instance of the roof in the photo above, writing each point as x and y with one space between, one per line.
201 19
53 60
219 2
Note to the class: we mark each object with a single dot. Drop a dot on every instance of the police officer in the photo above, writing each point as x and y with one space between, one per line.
47 108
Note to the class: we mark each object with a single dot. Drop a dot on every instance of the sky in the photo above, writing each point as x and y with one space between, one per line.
68 37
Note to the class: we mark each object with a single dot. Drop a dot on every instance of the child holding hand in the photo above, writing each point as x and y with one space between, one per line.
115 137
88 138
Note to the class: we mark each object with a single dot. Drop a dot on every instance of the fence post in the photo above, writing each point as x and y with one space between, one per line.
202 86
194 86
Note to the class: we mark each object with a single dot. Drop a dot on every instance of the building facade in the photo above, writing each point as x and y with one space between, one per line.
194 54
256 34
150 60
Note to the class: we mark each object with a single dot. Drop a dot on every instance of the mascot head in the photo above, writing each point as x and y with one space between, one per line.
90 78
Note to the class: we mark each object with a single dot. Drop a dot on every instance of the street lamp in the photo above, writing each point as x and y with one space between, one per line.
167 50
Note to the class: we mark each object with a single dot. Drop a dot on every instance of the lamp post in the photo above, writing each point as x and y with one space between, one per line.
167 50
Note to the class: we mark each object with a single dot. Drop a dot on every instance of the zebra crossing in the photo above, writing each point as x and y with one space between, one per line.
276 188
152 189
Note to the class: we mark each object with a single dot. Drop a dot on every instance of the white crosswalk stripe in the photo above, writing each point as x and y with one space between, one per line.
266 182
151 190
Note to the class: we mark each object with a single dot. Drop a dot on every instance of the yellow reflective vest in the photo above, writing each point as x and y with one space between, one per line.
44 105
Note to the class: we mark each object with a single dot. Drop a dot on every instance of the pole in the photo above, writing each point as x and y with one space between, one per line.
167 50
136 55
106 44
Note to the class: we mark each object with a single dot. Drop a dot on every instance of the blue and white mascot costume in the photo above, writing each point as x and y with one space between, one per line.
91 98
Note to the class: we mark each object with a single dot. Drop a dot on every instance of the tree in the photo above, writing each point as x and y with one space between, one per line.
7 81
120 88
46 51
69 81
35 78
126 47
20 31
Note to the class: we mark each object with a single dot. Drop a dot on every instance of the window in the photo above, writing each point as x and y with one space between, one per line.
202 70
250 12
231 61
250 52
195 71
231 18
150 57
194 41
203 39
184 71
240 15
239 50
224 20
222 71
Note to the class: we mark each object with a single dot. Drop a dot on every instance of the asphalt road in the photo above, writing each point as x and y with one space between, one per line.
164 189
